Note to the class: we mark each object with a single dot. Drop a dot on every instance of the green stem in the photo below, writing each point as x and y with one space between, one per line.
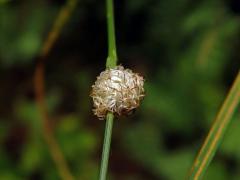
112 53
106 146
216 132
111 62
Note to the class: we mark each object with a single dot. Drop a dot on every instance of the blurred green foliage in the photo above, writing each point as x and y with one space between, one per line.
188 52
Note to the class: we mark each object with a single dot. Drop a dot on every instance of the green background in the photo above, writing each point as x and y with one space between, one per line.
188 52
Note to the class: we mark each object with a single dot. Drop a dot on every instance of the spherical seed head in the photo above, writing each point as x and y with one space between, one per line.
117 90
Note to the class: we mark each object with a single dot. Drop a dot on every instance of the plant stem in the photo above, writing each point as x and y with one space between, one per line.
39 85
106 146
58 25
216 132
112 53
111 62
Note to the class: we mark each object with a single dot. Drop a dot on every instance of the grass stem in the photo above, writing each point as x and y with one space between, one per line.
106 146
110 63
216 132
39 85
112 53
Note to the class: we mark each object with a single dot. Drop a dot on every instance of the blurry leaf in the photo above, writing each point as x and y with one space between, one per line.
235 176
83 171
50 172
170 104
29 114
198 19
28 45
216 171
215 48
53 99
19 47
7 168
78 146
231 142
76 143
9 175
4 1
69 124
32 157
175 165
136 5
210 96
5 162
143 141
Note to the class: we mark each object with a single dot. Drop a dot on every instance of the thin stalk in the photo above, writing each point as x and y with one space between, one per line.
58 25
216 132
110 63
112 52
106 146
39 85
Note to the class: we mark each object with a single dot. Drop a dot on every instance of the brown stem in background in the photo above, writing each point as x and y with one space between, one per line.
39 86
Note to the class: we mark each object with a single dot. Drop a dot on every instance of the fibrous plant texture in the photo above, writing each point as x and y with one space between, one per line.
117 90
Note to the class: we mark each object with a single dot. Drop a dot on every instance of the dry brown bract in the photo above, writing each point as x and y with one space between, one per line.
117 90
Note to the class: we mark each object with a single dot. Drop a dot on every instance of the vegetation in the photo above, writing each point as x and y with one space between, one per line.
188 52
